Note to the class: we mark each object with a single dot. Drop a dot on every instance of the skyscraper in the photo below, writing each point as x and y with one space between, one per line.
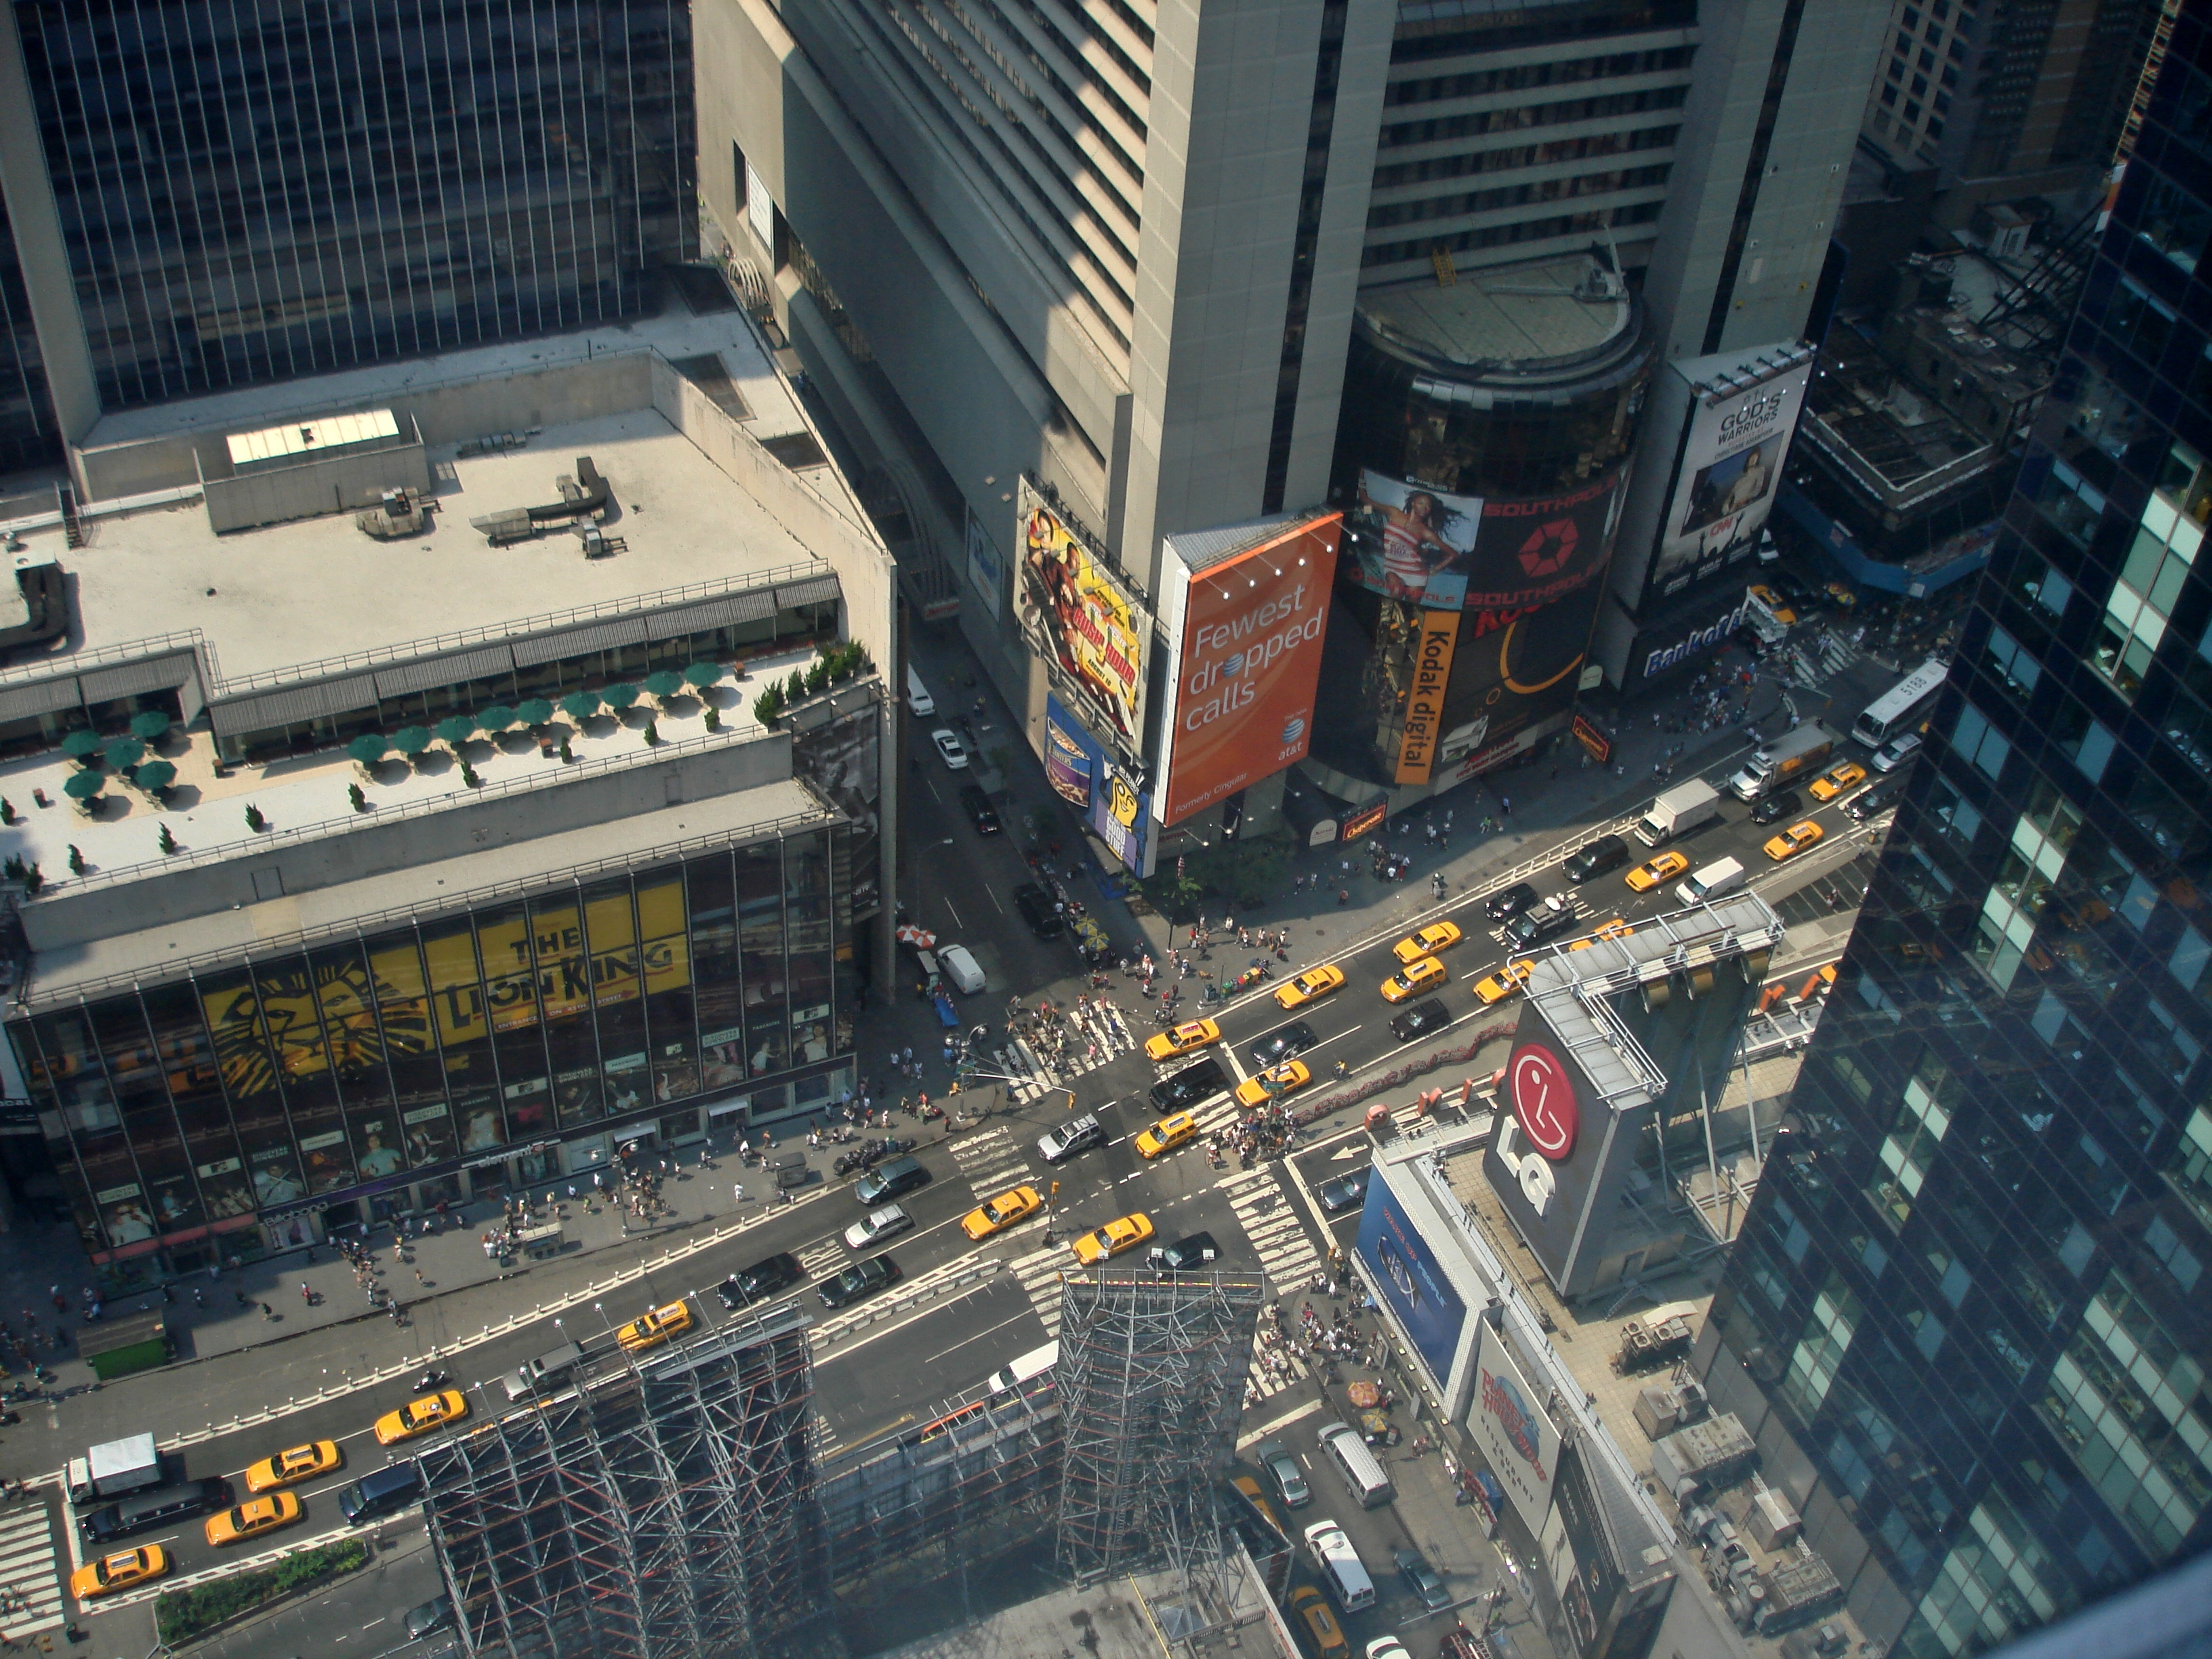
210 196
1968 1319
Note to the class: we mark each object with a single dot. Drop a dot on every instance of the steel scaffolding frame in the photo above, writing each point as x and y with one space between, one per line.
1151 1382
665 1510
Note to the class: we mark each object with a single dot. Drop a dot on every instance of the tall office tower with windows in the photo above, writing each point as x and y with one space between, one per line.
206 197
2007 99
1968 1318
1118 244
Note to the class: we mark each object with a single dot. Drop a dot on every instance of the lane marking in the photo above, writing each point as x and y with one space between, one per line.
1016 1320
1275 1423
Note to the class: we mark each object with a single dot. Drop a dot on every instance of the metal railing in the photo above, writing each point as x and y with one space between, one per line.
100 656
27 998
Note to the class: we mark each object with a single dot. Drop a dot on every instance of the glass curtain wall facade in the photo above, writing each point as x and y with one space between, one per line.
284 187
1973 1288
332 1074
28 435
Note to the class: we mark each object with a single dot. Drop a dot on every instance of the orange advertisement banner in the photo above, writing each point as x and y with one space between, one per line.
1424 698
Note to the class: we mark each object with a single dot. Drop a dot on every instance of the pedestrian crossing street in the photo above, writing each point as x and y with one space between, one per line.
1272 1222
1812 663
1096 1037
30 1572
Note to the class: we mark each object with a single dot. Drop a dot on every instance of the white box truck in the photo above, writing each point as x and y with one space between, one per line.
1789 756
113 1467
544 1374
1721 875
1678 812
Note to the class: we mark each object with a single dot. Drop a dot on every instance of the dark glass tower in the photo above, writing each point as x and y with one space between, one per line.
252 192
1968 1318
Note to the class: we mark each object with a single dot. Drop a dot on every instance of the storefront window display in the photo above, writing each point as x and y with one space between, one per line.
328 1076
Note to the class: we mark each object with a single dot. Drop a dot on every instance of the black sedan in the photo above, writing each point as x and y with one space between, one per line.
1347 1192
1504 907
765 1277
981 812
1037 909
1280 1044
861 1279
1190 1086
1186 1255
1420 1020
1783 804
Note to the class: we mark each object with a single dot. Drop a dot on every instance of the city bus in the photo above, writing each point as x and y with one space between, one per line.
1900 707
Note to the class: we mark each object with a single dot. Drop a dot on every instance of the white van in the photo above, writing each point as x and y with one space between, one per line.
1721 875
961 968
917 697
1339 1566
1363 1476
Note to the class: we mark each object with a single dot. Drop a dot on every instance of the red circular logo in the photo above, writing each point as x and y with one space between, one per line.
1543 1100
1548 547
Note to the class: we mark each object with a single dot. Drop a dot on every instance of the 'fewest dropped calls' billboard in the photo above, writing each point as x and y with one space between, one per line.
1246 631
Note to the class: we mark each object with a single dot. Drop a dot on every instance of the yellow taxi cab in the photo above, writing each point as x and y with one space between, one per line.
1413 979
1122 1233
252 1518
1502 982
1437 936
421 1416
1794 840
1001 1212
1310 1608
1773 602
1167 1134
288 1468
1181 1039
1617 928
1312 983
1650 873
1837 778
650 1330
1249 1489
119 1572
1274 1083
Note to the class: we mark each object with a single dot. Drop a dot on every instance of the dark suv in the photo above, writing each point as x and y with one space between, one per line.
1606 853
981 812
1504 907
1553 917
777 1273
1036 908
1420 1020
1190 1086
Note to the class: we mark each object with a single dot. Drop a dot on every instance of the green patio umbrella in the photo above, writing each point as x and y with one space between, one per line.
369 747
619 698
702 675
580 706
455 730
534 712
84 786
149 724
495 719
664 683
82 745
123 753
153 776
411 740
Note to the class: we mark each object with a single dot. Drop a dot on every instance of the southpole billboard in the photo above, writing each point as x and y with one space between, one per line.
1244 623
1421 545
1077 617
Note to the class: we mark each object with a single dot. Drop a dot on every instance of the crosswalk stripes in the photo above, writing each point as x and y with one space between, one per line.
30 1573
1039 1274
992 1162
1094 1039
1271 1222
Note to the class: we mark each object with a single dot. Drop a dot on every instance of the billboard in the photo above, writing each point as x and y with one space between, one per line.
1422 545
1506 1417
1510 669
1111 798
1246 634
1725 482
1077 616
1425 697
1400 1264
1612 1609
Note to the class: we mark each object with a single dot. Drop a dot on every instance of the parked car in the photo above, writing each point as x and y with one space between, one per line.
949 748
1424 1580
763 1278
1186 1088
1347 1192
1776 806
1282 1042
1036 908
1509 903
961 967
1420 1019
861 1279
981 812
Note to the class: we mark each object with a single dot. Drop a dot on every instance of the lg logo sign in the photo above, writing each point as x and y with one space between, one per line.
1543 1099
1544 1111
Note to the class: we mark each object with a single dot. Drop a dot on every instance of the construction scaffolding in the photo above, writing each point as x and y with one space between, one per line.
666 1510
1151 1382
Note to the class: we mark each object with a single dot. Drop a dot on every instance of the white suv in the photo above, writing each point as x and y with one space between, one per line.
1070 1138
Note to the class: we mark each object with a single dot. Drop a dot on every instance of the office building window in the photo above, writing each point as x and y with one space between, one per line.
1980 742
2174 222
2070 503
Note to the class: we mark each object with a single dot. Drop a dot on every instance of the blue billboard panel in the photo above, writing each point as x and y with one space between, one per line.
1082 773
1401 1265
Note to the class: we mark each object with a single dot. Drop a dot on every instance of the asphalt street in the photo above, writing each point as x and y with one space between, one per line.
882 1377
